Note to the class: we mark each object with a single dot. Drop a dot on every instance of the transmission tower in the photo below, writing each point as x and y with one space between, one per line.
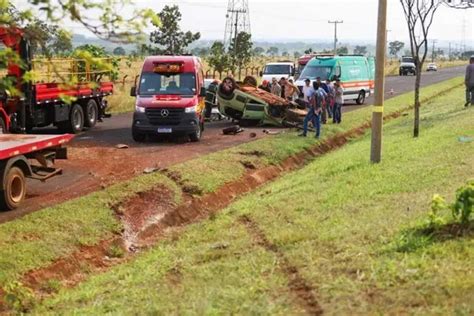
238 20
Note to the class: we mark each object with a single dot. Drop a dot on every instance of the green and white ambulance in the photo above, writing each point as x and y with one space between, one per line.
355 72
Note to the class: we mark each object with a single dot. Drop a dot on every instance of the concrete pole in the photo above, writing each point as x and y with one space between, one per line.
377 113
335 34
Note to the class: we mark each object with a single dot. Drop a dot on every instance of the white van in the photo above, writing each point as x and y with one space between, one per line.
278 70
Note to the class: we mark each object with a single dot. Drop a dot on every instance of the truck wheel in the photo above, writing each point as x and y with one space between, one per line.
361 98
138 137
196 136
92 114
15 189
75 124
3 126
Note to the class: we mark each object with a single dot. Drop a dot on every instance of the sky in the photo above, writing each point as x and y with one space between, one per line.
307 20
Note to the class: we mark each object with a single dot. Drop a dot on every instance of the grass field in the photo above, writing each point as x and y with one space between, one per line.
326 237
25 244
92 219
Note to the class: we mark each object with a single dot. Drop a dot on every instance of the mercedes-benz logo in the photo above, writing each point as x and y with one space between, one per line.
165 113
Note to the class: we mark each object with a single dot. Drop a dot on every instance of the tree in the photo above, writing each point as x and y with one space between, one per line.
258 51
111 25
62 43
343 50
395 47
360 50
273 51
297 54
119 51
168 36
218 59
419 15
240 50
285 54
308 51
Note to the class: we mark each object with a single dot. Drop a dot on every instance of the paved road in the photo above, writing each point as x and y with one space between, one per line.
95 163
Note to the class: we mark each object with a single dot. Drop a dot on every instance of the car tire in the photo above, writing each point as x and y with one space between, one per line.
14 191
361 98
196 136
224 93
137 136
91 111
251 81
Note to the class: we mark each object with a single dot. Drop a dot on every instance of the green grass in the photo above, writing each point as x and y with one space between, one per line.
38 239
337 220
212 171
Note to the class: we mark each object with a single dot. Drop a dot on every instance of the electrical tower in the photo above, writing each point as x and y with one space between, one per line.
238 20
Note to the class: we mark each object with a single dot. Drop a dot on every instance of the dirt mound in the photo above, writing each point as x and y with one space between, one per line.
142 210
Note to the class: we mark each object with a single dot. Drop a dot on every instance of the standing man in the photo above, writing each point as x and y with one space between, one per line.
308 90
469 82
265 86
330 98
314 112
282 83
292 90
323 94
276 88
338 102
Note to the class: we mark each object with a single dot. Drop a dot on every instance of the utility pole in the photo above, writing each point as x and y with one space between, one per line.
433 51
377 112
449 51
335 33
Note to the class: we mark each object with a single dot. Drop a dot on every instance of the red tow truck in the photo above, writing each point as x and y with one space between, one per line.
27 156
42 104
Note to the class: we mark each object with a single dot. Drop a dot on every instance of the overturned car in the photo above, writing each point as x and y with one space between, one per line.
245 102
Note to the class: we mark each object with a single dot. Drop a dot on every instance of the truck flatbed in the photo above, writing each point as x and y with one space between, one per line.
13 145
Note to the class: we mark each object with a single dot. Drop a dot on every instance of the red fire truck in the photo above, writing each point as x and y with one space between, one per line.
41 104
27 156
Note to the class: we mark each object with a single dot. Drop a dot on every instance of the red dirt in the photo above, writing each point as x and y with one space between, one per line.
74 268
142 210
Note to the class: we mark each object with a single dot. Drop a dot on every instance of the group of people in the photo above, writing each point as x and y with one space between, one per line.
284 88
323 99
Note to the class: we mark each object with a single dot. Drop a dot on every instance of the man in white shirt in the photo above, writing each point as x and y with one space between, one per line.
308 90
338 102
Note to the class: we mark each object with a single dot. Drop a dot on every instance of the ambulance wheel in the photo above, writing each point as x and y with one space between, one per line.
137 136
361 98
196 136
14 191
92 114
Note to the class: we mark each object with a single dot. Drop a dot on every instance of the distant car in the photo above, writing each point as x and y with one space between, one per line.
407 66
432 67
